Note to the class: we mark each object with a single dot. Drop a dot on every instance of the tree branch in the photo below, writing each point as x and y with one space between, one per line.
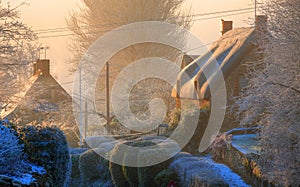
280 84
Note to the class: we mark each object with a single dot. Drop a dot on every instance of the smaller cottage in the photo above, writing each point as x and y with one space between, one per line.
44 99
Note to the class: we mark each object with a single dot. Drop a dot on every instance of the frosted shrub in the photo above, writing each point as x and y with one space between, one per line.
11 153
174 118
47 147
219 145
123 175
273 99
92 166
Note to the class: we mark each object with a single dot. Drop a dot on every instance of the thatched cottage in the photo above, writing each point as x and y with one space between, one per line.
235 48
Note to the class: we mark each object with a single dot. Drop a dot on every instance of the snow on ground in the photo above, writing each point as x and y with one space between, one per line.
37 169
27 178
203 168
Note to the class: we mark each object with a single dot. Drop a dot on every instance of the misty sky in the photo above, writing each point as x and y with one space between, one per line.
49 14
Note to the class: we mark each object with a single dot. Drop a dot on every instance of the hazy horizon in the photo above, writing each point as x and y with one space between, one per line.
42 15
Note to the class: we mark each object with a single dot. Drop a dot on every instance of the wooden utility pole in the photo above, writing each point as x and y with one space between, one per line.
107 98
86 120
80 109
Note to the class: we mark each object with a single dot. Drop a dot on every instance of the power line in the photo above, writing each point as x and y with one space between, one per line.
222 12
202 19
61 30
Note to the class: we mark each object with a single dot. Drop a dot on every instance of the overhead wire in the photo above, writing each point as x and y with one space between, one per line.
62 30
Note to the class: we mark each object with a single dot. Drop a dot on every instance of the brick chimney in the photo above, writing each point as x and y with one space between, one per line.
41 67
226 26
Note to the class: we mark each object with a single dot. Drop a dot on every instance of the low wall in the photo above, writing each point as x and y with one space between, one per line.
244 164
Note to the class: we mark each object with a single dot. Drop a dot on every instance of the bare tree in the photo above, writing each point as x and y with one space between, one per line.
96 18
17 51
273 99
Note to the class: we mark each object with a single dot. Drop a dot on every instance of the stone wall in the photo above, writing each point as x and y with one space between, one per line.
243 164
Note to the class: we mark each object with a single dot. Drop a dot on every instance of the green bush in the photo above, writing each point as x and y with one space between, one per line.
220 144
134 176
174 118
92 166
164 177
75 166
188 117
146 174
47 147
116 170
11 153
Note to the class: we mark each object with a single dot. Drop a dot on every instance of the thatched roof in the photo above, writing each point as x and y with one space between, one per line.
228 52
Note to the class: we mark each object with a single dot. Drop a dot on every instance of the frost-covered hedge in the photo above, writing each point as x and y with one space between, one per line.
16 168
11 153
123 175
92 167
47 147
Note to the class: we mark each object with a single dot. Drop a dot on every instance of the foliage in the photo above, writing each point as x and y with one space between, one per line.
141 95
47 147
15 165
75 165
189 115
10 125
164 177
116 128
116 170
219 145
17 50
12 157
174 118
87 24
75 154
123 175
92 166
96 18
14 32
141 176
273 98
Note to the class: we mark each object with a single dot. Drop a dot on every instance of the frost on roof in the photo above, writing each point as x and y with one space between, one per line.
17 98
226 52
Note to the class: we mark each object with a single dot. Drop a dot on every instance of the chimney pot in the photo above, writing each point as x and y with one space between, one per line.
226 26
